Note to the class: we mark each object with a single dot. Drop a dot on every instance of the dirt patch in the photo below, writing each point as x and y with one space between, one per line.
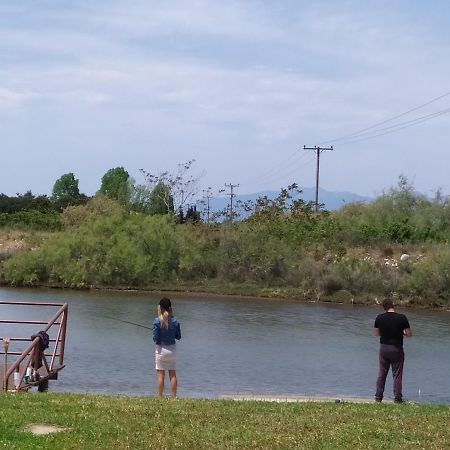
43 428
11 245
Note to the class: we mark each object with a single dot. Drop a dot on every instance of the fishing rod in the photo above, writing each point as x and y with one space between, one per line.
126 321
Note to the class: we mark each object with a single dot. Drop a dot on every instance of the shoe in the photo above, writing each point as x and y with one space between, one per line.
378 400
399 400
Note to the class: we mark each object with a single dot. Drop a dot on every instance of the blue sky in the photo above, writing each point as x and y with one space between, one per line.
240 86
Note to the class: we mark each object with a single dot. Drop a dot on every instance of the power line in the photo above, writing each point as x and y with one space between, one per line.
293 170
278 167
398 127
279 170
356 133
282 172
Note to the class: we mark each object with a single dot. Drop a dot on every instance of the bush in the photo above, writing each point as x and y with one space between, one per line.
360 276
111 251
31 220
98 206
198 249
429 280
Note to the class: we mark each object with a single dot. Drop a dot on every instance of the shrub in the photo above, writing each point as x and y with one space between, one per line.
115 250
429 280
31 220
98 206
360 276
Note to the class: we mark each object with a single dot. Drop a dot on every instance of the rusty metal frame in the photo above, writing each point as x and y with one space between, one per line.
59 319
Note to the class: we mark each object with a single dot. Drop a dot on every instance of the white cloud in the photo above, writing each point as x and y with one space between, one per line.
197 18
11 101
251 77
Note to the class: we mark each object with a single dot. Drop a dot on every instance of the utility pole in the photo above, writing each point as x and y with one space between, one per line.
317 150
208 195
232 195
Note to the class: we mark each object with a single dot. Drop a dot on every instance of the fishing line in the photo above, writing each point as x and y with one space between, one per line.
126 321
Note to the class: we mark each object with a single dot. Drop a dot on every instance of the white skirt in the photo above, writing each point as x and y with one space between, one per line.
165 357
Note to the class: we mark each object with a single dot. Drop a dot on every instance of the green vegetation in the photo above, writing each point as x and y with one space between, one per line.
31 220
28 212
282 249
100 422
65 192
24 202
115 184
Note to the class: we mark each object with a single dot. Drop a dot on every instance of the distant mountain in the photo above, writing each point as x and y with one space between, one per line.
332 200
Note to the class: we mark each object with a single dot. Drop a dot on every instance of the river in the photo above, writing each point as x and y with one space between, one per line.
236 345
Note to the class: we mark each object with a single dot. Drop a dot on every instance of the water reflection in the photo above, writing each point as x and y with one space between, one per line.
233 345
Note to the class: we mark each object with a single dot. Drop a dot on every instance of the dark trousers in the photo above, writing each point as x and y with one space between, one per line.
390 356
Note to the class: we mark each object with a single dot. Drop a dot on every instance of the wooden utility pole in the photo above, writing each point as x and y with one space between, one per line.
207 195
317 150
232 195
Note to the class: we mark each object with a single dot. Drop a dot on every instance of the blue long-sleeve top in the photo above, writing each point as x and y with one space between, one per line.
161 336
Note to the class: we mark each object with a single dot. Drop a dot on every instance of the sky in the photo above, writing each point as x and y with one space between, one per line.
239 86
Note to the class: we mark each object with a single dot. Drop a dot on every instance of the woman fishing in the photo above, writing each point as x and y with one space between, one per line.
166 330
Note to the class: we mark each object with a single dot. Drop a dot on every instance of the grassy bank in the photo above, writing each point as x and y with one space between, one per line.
103 422
398 246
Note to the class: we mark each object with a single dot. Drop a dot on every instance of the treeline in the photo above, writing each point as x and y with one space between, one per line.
165 193
284 248
29 212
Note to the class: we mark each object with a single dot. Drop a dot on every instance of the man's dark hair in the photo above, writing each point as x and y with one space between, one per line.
388 304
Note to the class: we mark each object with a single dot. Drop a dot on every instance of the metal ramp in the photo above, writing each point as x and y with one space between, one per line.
25 362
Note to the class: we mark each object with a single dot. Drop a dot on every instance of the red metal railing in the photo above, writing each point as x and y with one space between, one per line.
24 358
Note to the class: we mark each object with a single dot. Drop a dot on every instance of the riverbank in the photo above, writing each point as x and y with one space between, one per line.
103 422
413 275
243 292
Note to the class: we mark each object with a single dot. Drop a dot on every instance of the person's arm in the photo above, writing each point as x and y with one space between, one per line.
178 332
407 329
376 329
156 331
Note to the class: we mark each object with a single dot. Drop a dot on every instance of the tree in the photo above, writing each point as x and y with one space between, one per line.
66 192
140 197
161 200
181 186
25 202
192 215
115 185
65 187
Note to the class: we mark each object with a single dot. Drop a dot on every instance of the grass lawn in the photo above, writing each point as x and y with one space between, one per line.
106 422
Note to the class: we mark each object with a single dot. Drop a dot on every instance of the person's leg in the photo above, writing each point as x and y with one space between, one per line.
397 374
160 382
383 369
173 382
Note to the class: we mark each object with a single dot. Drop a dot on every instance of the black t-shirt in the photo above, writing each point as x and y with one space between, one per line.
391 326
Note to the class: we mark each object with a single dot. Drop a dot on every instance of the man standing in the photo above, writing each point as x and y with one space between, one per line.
391 327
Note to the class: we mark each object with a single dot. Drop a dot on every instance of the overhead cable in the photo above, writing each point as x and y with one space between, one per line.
356 134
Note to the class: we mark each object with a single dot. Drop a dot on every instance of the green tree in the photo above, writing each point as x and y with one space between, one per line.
140 197
65 187
115 185
181 185
161 200
66 192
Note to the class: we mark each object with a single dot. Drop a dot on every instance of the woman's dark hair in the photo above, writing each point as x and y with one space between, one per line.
164 312
165 304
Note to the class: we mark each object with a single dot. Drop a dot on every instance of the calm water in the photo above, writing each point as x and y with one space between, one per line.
233 345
